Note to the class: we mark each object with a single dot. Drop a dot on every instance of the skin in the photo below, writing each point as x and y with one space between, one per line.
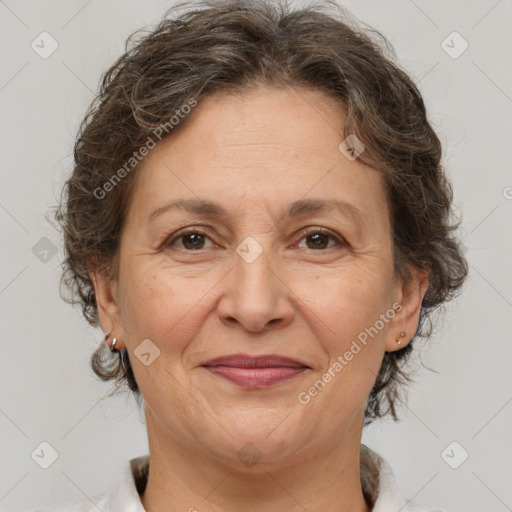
254 153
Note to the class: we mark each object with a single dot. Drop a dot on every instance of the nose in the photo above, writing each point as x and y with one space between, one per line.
255 297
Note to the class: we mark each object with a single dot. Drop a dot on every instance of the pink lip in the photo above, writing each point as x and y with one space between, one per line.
255 371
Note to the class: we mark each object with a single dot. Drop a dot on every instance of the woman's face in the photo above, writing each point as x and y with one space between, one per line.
274 268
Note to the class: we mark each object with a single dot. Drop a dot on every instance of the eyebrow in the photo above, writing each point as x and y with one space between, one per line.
298 208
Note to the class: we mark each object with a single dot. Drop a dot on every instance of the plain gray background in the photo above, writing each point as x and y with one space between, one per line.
48 393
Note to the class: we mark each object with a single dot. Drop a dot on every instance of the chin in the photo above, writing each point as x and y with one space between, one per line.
256 443
249 454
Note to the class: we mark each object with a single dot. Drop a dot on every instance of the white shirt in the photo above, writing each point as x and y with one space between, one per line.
124 497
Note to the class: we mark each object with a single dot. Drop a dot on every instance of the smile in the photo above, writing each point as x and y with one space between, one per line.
255 372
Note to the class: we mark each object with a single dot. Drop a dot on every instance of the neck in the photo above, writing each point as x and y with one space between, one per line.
183 478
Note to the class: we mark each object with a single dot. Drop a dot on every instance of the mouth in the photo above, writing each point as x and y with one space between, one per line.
255 372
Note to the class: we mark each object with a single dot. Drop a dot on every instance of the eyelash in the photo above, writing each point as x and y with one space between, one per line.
309 231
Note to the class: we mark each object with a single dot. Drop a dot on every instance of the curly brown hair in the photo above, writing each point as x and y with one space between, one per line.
211 46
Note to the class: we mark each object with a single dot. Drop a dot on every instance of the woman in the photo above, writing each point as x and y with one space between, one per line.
259 221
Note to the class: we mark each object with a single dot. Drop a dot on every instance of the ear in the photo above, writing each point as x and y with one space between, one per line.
410 296
106 299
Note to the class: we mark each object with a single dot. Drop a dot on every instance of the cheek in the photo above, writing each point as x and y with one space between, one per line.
159 306
346 313
341 315
349 301
162 305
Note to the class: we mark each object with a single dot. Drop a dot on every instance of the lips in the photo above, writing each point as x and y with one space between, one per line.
245 361
255 371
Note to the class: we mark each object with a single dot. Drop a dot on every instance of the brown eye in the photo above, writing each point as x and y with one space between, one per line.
318 239
191 240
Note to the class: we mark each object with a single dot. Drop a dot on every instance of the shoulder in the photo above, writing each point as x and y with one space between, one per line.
379 480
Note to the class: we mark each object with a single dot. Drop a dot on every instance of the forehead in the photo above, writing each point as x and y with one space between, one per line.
269 147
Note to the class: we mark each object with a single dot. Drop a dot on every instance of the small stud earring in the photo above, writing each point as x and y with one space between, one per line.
402 334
